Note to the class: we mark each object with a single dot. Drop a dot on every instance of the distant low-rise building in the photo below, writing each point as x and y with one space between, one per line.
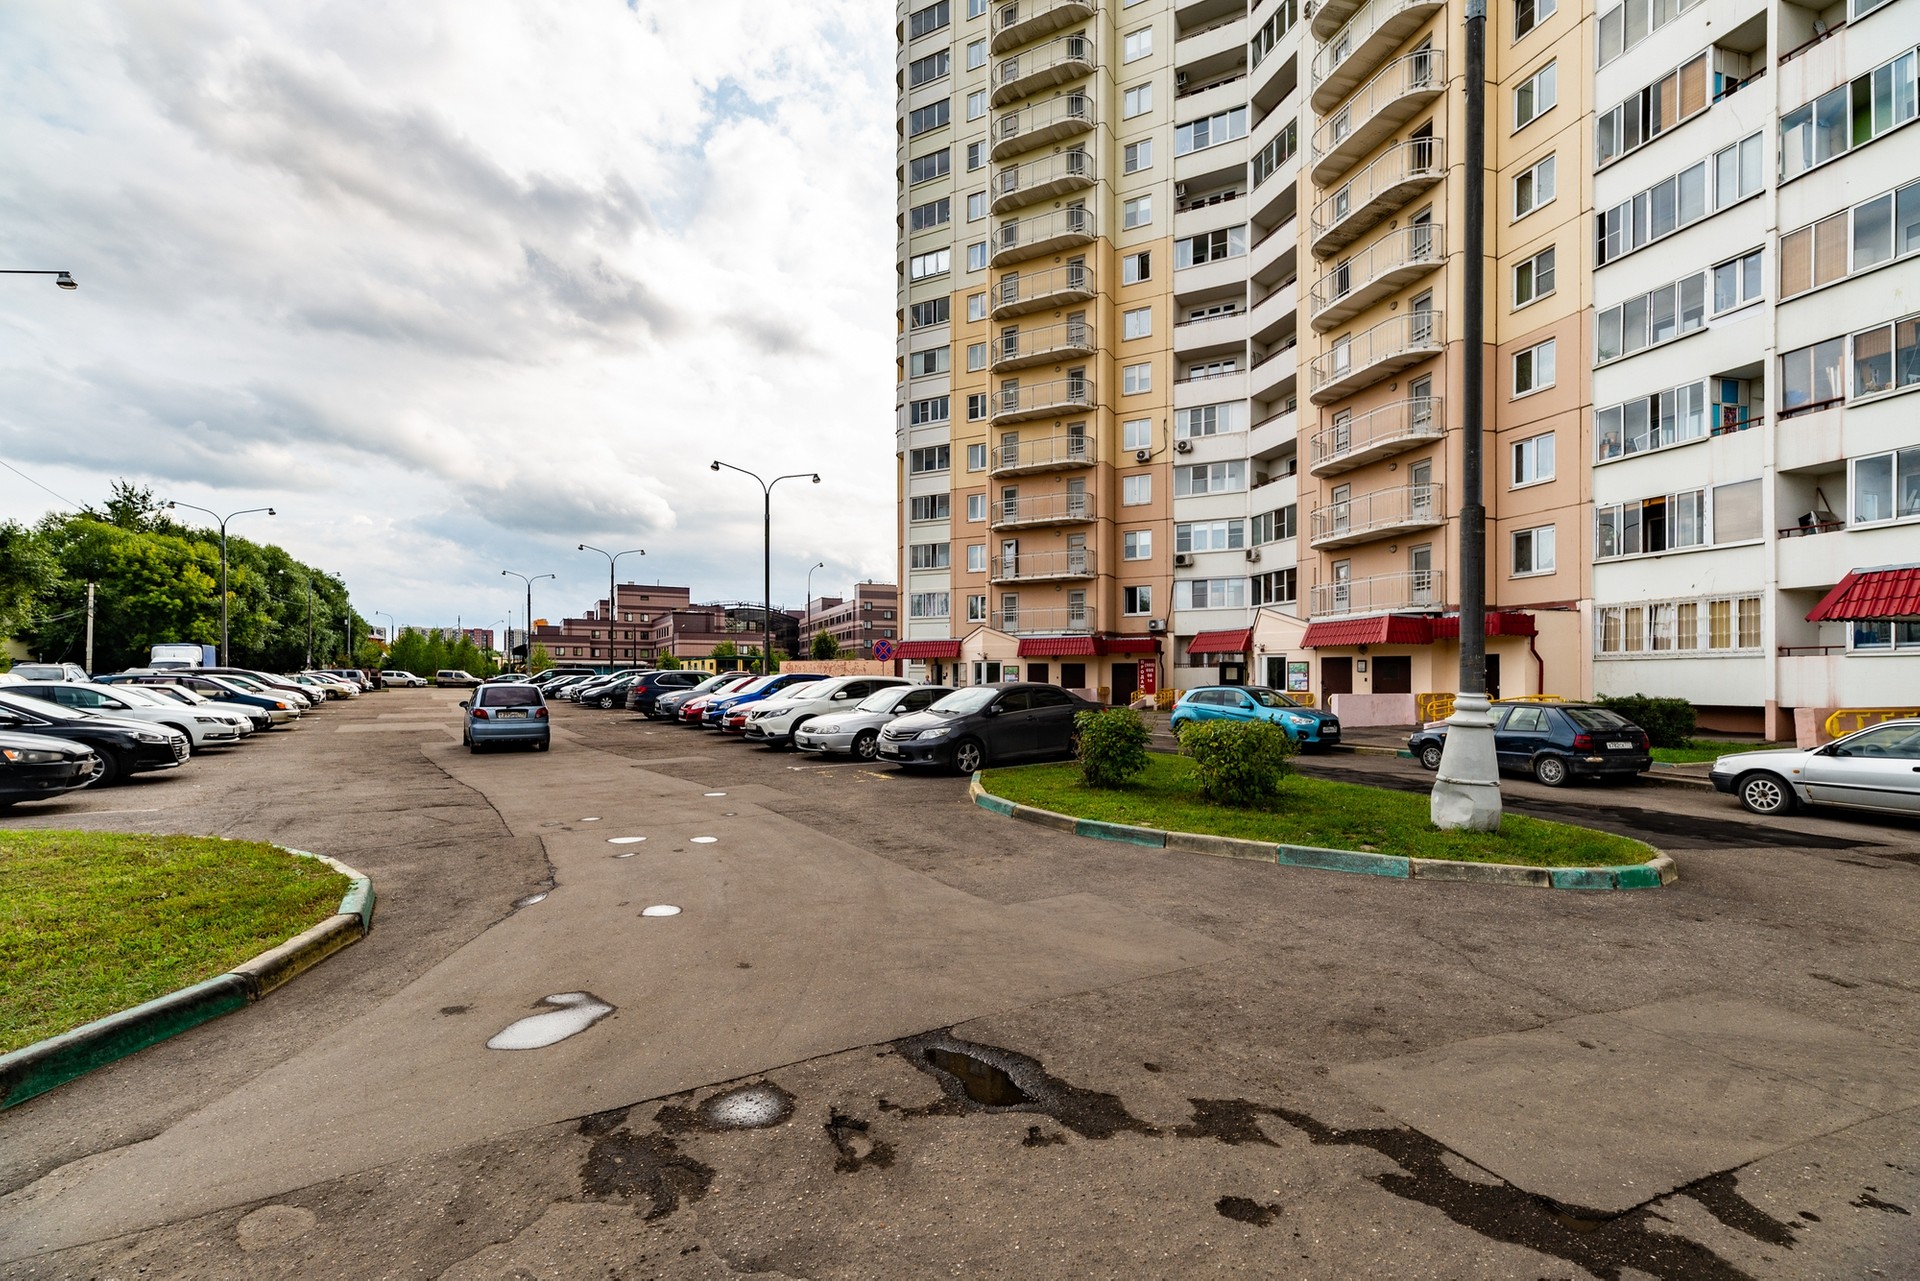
872 613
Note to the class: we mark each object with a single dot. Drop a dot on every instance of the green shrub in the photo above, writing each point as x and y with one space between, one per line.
1669 722
1112 746
1239 762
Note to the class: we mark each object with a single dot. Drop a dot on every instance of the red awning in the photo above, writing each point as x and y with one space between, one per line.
1385 629
1222 642
1049 646
1130 645
927 649
1866 595
1500 622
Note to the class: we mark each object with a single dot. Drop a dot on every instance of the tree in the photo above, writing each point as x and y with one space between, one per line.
28 571
539 660
726 649
825 646
670 662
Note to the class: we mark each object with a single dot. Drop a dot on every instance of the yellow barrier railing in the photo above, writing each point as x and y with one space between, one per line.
1437 707
1849 720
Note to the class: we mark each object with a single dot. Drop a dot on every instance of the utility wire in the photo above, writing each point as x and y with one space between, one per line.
31 481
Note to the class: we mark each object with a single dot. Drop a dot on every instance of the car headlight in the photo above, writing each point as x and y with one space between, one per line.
1296 719
938 731
208 720
281 707
31 756
148 736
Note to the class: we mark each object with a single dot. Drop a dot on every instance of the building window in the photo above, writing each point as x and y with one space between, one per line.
1736 283
1281 522
928 555
1136 156
1528 14
1137 101
976 55
1657 212
976 104
1649 112
1210 131
928 507
1849 116
1137 323
928 118
976 206
1135 268
1813 377
1533 368
1209 593
1645 526
976 558
1211 246
1135 379
1533 551
1534 97
1672 417
1886 357
1533 278
977 256
976 307
1210 478
1136 434
927 604
1136 544
976 461
931 410
922 363
931 18
1281 587
930 459
1886 487
1737 173
1136 491
924 266
976 408
1625 23
1210 420
1136 45
976 357
1532 460
1137 212
1136 600
1646 320
1533 187
1209 536
932 214
926 168
924 315
976 507
1683 627
976 8
926 70
976 155
976 609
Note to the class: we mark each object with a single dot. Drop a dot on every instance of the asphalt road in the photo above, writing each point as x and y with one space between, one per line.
985 1048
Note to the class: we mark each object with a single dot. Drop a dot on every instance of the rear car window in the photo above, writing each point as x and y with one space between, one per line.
509 696
1595 718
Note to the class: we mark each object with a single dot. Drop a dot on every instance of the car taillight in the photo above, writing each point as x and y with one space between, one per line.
480 713
539 713
1583 742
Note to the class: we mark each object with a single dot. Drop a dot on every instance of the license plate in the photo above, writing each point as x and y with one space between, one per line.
513 716
1617 746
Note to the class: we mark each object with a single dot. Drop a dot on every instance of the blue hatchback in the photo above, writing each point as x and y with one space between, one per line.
506 714
1306 725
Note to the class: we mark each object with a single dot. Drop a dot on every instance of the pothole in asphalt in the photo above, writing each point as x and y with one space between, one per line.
647 1167
660 909
987 1078
573 1013
748 1107
1247 1210
530 899
855 1148
625 840
984 1083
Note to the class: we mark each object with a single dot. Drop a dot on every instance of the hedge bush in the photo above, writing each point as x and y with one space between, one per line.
1239 763
1669 722
1112 746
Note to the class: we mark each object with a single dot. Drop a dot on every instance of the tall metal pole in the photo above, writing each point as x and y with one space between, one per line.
89 629
508 573
766 493
1466 790
613 604
249 511
309 622
807 640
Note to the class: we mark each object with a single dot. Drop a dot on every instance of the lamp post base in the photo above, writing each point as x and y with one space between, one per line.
1466 792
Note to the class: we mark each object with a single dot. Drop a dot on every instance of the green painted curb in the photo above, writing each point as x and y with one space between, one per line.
1585 878
1344 861
1044 818
1149 837
1221 846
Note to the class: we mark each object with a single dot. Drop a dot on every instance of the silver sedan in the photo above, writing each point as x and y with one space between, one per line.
1877 768
856 731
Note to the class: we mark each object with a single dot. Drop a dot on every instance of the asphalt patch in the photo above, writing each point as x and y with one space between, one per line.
1246 1210
986 1078
1230 1121
1867 1201
625 1166
854 1146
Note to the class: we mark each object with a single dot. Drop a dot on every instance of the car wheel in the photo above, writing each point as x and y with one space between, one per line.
1551 771
545 743
1430 756
473 748
866 744
1765 794
113 769
969 754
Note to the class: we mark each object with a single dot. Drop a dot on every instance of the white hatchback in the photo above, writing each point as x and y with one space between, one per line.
773 720
1877 768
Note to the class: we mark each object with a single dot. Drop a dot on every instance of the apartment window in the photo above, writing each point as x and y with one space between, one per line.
1671 311
1136 544
976 306
976 558
1672 417
1532 188
1137 212
1736 512
1213 369
1137 101
976 206
976 357
977 503
1533 278
1136 156
1533 551
976 461
1136 491
926 70
1884 635
1137 323
1210 131
976 8
977 256
924 315
1736 283
1136 45
1211 246
1209 593
976 609
930 166
1644 526
1281 522
928 507
927 604
976 406
929 555
1659 211
1135 379
1276 26
928 118
976 155
1532 460
931 410
1136 434
1648 112
1813 377
1136 600
1625 23
1528 14
1135 268
931 18
1210 420
1679 626
922 363
1281 587
976 55
1533 368
1886 357
1849 116
1736 172
1210 536
932 458
932 214
976 104
1534 97
1210 478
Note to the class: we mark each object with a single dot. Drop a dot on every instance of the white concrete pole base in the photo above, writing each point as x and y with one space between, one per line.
1466 791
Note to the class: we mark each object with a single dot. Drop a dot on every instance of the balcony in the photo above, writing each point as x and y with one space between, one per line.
1027 20
1384 186
1374 354
1377 594
1054 620
1331 15
1382 268
1018 293
1062 566
1041 454
1382 105
1042 400
1382 433
1071 507
1038 125
1047 233
1053 63
1040 179
1357 48
1024 347
1376 514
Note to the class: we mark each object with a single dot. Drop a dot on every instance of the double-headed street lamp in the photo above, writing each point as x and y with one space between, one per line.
613 605
223 558
508 573
393 627
766 494
60 278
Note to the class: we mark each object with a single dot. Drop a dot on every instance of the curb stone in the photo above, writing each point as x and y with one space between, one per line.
37 1068
1657 871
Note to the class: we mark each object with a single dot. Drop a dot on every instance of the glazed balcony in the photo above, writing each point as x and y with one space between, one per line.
1377 594
1382 433
1045 122
1069 340
1042 400
1038 180
1384 267
1351 54
1027 20
1063 566
1017 293
1374 354
1053 232
1053 620
1070 507
1383 187
1053 63
1376 514
1041 454
1331 15
1382 105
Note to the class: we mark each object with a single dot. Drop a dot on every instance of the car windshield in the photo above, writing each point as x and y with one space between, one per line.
962 701
138 697
176 693
507 696
1270 697
883 700
48 709
243 683
753 686
1596 718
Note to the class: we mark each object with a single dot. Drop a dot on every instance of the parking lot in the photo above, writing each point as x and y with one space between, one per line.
1189 1066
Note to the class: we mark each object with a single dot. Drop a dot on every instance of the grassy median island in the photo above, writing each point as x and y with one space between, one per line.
96 922
1311 811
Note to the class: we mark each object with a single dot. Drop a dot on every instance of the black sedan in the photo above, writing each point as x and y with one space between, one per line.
34 767
1555 742
124 747
986 723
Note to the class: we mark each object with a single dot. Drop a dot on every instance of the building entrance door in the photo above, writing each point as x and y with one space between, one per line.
1336 677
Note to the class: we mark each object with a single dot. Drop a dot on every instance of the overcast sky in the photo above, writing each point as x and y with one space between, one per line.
458 285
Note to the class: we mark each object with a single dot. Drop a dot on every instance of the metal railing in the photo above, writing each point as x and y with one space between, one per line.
1032 288
1420 245
1072 224
1070 507
1378 25
1072 562
1068 112
1075 164
1073 449
1377 593
1070 338
1034 17
1390 340
1404 423
1416 161
1423 71
1050 620
1056 60
1377 512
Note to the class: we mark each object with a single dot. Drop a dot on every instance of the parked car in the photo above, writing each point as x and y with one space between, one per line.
552 674
452 678
753 692
131 703
326 688
50 672
670 705
506 714
774 720
35 766
648 688
394 676
1308 726
1877 768
1555 742
279 710
124 747
354 674
986 723
855 731
605 691
255 718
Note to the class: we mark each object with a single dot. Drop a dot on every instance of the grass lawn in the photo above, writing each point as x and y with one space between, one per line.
1708 750
1310 811
96 922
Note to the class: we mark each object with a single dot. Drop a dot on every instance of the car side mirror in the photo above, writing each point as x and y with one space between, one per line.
466 702
991 709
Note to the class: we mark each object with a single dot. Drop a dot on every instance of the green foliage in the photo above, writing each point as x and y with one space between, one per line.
726 649
1239 763
538 660
28 571
669 662
1669 722
1112 746
825 646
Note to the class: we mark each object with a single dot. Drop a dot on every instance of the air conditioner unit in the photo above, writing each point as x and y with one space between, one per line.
1183 447
1179 79
1156 624
1142 455
1179 191
1253 554
1182 559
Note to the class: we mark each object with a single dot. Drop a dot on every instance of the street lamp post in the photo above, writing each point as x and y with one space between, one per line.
223 561
809 637
508 573
393 627
613 604
766 563
63 279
